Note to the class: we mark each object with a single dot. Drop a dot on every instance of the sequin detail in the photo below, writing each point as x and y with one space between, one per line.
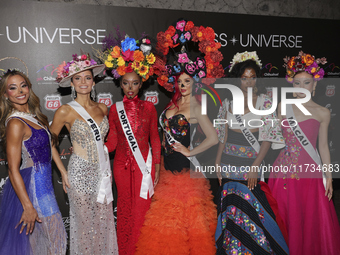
92 229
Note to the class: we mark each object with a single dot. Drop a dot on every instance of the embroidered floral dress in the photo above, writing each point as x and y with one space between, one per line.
311 220
246 222
131 208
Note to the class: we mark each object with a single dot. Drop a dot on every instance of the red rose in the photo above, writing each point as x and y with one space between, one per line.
189 25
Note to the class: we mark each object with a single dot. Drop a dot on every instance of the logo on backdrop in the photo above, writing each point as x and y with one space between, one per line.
41 35
45 75
270 71
151 96
105 98
332 70
52 102
330 90
260 40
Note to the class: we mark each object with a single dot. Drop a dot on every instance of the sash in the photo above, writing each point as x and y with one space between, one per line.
31 119
249 137
172 140
144 167
105 186
300 136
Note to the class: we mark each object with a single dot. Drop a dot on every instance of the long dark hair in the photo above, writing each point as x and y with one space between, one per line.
6 106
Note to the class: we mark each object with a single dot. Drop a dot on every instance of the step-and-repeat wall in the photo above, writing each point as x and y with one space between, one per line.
45 34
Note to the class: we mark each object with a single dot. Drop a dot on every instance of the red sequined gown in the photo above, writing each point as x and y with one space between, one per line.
131 208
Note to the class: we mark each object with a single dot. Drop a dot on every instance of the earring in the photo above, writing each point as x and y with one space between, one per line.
294 94
313 94
93 94
73 93
255 89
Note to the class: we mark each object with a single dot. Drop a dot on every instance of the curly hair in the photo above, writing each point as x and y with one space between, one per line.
239 69
6 106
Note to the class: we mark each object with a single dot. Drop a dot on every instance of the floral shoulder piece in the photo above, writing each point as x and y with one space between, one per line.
220 128
271 129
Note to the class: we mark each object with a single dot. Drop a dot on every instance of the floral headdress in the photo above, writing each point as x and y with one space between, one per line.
244 56
127 55
79 63
305 63
207 68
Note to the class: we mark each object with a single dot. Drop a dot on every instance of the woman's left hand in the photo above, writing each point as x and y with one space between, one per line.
181 149
329 188
252 179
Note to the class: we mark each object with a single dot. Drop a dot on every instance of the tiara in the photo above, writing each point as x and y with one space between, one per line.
13 69
244 56
304 63
206 68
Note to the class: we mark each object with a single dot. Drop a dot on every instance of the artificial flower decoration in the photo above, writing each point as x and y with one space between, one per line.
78 64
123 55
304 63
244 56
207 68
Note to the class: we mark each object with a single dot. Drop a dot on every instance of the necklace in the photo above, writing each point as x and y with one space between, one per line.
25 113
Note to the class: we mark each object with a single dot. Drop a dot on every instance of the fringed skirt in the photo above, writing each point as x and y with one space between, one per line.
181 218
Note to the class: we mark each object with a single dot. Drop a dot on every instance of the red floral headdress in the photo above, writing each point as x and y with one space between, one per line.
305 63
207 68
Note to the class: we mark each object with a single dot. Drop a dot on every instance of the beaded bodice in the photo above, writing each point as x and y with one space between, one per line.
83 141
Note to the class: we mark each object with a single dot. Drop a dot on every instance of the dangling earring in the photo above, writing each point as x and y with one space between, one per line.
73 93
294 94
313 94
255 90
93 94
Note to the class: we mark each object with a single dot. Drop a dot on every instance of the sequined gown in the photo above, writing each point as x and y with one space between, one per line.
92 229
131 208
311 220
182 216
48 237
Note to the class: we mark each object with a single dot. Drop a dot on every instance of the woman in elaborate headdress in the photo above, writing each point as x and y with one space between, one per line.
30 220
133 135
92 228
182 216
246 221
304 200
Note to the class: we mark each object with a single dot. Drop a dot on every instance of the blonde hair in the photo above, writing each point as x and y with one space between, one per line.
6 106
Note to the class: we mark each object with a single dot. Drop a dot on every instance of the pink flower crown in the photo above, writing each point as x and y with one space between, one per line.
207 68
79 63
304 63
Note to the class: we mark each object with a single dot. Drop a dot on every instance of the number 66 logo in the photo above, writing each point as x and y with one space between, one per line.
52 102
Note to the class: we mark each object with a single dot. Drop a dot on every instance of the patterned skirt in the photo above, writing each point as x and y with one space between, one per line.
246 221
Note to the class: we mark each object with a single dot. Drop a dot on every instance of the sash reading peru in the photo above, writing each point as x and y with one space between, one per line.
300 136
145 167
105 188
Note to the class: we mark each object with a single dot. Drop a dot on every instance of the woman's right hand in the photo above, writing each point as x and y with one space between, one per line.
28 218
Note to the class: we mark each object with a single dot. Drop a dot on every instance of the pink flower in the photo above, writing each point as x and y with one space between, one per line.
175 37
180 25
201 74
83 57
87 63
60 68
128 55
183 58
187 36
246 196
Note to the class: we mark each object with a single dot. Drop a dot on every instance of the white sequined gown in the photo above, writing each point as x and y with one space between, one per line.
92 228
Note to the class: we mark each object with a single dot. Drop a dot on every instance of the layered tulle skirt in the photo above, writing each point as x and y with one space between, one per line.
181 218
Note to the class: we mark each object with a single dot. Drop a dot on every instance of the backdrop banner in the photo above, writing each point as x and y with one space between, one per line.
45 34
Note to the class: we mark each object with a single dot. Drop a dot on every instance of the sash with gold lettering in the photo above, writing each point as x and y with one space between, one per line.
144 167
105 188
